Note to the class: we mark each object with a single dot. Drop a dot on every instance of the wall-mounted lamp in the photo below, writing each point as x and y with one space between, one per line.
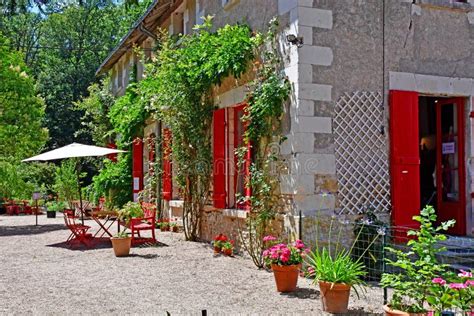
295 40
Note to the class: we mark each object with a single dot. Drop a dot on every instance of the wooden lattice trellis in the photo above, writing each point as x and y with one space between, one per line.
361 153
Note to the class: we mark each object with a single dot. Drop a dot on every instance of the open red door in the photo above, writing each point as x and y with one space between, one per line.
404 158
450 170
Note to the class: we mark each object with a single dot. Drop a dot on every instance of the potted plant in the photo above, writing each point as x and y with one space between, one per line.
416 267
121 243
128 211
228 248
218 241
285 261
452 295
165 226
337 270
174 227
53 207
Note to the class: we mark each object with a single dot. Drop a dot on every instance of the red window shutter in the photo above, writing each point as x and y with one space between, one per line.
112 157
219 161
137 166
404 157
167 169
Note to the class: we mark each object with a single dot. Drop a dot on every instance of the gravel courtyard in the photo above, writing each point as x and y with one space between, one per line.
40 276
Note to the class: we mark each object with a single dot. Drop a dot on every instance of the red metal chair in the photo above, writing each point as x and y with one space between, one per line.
78 231
147 222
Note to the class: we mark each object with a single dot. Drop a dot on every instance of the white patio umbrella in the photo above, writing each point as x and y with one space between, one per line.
74 150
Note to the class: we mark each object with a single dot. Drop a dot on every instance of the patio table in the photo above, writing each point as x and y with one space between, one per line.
105 220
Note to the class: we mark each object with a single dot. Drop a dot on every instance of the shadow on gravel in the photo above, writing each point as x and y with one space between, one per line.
29 229
359 312
148 256
303 293
103 243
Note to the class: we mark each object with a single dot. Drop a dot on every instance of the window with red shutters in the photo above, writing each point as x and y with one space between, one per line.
228 176
167 165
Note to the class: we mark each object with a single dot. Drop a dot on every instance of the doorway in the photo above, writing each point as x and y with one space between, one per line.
441 151
427 162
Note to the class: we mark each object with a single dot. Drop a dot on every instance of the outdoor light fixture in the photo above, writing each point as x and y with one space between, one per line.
293 39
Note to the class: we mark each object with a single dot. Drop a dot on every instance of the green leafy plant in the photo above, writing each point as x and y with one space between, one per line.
228 245
130 210
122 234
335 268
113 181
54 206
418 265
66 182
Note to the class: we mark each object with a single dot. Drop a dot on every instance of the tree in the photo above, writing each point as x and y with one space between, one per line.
21 117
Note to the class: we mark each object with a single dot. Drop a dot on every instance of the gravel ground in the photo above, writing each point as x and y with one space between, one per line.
40 276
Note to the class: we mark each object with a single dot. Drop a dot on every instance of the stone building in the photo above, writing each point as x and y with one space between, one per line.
380 114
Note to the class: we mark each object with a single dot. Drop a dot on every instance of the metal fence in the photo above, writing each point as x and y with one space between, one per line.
368 241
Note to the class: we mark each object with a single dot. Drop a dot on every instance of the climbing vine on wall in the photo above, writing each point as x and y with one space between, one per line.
179 84
268 93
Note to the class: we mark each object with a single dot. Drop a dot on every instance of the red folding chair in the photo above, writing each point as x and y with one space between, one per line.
147 222
78 231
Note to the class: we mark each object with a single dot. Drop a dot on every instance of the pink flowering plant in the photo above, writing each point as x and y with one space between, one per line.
452 292
417 267
283 254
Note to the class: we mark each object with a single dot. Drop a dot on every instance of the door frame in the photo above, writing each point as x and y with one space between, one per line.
460 215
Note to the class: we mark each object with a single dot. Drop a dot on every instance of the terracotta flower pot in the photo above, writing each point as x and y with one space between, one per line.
334 296
227 252
286 277
175 229
395 312
121 246
217 249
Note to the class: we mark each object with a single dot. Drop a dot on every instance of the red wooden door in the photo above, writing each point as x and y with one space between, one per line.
404 158
219 159
167 165
137 165
450 167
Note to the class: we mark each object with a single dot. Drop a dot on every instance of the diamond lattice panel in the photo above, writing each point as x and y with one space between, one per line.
361 153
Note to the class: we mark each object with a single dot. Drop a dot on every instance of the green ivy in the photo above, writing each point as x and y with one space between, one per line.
114 181
179 85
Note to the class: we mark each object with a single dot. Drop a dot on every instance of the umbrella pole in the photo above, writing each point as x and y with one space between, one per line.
78 173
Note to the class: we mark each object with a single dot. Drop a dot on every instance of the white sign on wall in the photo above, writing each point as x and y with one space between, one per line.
449 148
136 183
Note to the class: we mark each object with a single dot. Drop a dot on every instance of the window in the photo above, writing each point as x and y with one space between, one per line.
228 177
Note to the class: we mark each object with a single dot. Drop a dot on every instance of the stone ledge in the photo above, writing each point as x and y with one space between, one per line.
236 213
180 203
